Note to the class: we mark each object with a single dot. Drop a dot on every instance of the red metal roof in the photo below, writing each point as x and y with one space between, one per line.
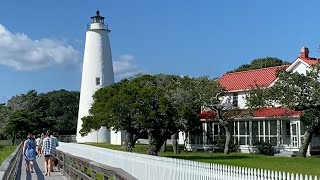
266 112
247 79
275 112
310 61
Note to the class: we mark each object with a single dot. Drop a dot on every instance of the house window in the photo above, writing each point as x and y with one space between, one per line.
98 81
235 99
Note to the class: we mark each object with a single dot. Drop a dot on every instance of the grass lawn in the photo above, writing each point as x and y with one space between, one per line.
5 151
309 165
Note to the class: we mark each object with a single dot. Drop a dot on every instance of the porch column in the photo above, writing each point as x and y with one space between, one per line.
278 133
250 133
204 133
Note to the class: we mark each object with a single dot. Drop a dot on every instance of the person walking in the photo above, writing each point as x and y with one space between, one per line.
49 151
54 140
39 145
29 151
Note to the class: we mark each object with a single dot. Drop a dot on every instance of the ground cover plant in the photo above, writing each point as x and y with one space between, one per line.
309 165
5 151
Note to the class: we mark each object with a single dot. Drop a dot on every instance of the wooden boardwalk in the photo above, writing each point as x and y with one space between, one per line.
39 172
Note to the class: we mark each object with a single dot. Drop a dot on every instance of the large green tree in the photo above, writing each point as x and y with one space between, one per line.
4 118
260 63
158 106
33 112
215 99
60 110
114 107
298 92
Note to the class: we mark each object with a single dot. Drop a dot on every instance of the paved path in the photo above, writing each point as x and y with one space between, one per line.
39 172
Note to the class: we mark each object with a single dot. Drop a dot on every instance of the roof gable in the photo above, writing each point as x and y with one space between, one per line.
239 81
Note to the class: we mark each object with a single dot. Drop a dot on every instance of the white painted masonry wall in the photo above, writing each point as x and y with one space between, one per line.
117 137
97 63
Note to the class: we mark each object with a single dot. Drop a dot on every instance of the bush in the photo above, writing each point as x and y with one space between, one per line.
221 142
265 148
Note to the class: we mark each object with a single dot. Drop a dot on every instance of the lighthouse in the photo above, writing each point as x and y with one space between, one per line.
97 72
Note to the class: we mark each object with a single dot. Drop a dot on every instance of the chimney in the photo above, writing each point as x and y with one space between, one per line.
304 53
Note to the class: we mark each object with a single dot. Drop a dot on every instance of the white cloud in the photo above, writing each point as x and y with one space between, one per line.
125 66
22 53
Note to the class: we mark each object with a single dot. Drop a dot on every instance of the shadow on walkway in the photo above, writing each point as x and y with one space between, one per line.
39 171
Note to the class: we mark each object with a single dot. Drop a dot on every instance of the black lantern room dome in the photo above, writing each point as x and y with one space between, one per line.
97 18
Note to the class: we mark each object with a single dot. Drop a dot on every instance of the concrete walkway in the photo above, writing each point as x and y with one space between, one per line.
39 171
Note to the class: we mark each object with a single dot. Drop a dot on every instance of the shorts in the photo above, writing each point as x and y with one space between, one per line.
47 156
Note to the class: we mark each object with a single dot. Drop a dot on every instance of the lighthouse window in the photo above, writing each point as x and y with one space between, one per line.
98 81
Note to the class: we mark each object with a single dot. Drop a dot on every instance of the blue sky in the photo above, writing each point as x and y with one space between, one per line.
41 42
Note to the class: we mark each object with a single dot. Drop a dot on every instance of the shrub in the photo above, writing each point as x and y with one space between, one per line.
265 148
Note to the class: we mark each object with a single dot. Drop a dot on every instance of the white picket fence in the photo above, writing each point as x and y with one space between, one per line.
145 167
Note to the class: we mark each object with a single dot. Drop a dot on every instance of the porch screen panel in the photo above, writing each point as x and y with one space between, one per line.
261 128
302 128
255 132
216 132
242 133
273 132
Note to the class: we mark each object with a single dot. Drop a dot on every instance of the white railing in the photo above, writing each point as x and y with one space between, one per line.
145 167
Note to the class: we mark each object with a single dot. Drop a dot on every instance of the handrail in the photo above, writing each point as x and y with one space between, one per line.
81 168
10 166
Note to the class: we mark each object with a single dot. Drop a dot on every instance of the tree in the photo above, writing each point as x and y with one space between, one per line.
189 95
28 101
210 94
158 106
114 107
23 110
22 122
260 63
4 118
60 108
56 110
296 91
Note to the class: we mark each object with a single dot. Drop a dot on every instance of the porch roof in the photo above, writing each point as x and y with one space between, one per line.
267 112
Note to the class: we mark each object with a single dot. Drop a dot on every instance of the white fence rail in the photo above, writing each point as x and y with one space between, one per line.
145 167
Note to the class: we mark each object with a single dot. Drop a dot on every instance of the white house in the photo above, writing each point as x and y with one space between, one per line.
277 125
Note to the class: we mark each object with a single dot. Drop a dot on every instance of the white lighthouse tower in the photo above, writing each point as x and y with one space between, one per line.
97 72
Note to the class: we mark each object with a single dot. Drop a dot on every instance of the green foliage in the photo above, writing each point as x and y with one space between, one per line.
295 91
260 63
265 148
33 112
5 151
4 118
61 110
221 144
164 103
23 122
153 105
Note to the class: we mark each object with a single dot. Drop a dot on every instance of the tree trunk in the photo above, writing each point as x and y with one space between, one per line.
228 139
13 140
155 143
164 147
128 141
135 139
306 141
175 144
